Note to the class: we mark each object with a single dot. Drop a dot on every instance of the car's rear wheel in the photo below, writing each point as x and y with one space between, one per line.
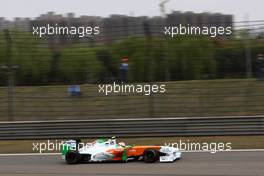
73 157
150 155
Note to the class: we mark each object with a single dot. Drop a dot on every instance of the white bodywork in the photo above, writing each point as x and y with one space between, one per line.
172 154
98 151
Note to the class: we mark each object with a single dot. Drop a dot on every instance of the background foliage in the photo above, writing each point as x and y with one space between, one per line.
150 59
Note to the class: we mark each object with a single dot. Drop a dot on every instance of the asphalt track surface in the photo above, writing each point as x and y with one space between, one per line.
199 164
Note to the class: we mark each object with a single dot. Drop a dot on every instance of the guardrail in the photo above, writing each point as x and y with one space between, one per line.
199 126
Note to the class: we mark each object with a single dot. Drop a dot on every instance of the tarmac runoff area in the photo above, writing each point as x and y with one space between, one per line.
235 163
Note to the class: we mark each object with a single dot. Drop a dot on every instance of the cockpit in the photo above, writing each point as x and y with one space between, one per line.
110 142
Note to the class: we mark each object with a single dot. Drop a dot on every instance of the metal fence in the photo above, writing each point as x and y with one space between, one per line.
181 99
199 126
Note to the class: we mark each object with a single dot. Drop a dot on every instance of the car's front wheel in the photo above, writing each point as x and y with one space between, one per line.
73 157
150 155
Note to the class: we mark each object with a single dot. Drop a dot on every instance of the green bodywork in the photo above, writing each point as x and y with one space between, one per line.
124 155
65 148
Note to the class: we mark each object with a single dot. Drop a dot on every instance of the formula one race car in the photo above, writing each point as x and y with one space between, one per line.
108 150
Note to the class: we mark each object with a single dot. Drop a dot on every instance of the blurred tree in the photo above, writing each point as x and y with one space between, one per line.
191 58
79 64
141 66
180 58
31 56
2 58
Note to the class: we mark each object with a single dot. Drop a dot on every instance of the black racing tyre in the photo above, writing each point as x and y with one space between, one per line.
73 157
150 155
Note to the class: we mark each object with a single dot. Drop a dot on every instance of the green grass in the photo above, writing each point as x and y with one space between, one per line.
182 98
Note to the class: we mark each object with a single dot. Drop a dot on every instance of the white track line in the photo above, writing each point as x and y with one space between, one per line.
128 119
193 151
235 150
29 154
